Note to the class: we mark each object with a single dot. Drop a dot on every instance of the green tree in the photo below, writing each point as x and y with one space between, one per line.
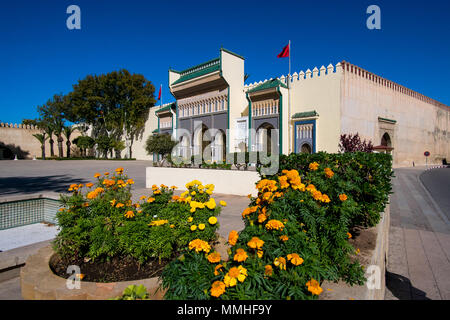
113 104
84 143
30 122
160 144
41 137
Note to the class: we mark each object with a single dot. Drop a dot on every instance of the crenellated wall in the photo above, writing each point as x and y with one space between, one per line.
372 106
19 140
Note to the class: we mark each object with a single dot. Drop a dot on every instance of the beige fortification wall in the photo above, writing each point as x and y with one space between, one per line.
419 123
19 140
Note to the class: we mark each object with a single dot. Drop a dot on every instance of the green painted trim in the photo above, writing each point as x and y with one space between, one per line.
249 122
158 124
232 53
387 120
176 108
280 120
269 84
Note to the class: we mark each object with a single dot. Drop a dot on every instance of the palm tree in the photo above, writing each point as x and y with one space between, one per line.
67 131
49 130
41 137
58 127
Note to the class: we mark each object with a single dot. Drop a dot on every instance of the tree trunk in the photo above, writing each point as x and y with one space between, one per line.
43 151
60 146
68 148
52 153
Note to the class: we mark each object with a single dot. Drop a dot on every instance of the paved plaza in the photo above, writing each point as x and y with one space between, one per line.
419 241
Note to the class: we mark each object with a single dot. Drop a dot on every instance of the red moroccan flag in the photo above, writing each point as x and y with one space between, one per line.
284 53
159 95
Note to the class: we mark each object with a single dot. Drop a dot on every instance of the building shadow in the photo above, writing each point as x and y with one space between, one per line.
402 288
28 185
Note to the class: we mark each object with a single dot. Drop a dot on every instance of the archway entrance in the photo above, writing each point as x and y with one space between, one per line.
201 141
264 138
386 140
306 148
218 146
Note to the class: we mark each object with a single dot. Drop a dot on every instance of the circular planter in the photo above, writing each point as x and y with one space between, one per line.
38 282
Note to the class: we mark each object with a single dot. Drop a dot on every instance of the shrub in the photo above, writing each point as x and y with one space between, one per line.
133 292
160 144
296 232
353 143
103 222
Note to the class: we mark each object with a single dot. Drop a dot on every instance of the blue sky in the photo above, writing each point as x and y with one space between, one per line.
39 56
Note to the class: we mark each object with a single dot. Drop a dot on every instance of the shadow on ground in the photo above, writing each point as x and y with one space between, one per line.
26 185
402 288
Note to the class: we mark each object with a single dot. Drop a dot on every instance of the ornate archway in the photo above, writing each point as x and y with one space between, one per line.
264 137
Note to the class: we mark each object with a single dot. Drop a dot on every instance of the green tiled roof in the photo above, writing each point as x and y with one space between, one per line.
387 120
165 108
274 83
199 70
155 131
305 114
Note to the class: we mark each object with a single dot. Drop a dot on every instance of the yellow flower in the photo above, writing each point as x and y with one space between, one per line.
113 202
235 274
295 259
268 270
129 214
259 253
280 262
213 257
193 193
349 235
343 197
190 219
284 238
314 287
172 226
217 289
223 203
275 224
240 255
130 181
158 222
173 187
193 227
262 217
120 205
150 199
97 175
233 237
86 204
255 243
106 173
201 226
142 198
211 203
89 185
212 220
199 245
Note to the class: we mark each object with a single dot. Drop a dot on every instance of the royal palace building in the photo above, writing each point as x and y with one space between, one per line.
214 110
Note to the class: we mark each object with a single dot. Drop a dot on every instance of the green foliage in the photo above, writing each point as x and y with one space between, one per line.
103 222
296 232
160 144
133 292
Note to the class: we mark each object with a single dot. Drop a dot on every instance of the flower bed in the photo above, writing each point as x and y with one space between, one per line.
113 239
296 233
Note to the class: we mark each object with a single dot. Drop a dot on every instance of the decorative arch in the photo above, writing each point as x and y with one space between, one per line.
264 139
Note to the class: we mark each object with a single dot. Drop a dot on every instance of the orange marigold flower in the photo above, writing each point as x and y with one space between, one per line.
213 257
89 185
106 173
119 170
284 238
349 235
314 287
283 182
274 225
150 199
175 198
259 253
313 166
268 270
280 262
217 269
97 175
325 198
120 205
295 259
129 214
233 237
262 217
329 173
240 255
130 181
343 197
255 243
217 289
199 245
158 223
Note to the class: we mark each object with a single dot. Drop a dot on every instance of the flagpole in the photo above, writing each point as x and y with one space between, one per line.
289 101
